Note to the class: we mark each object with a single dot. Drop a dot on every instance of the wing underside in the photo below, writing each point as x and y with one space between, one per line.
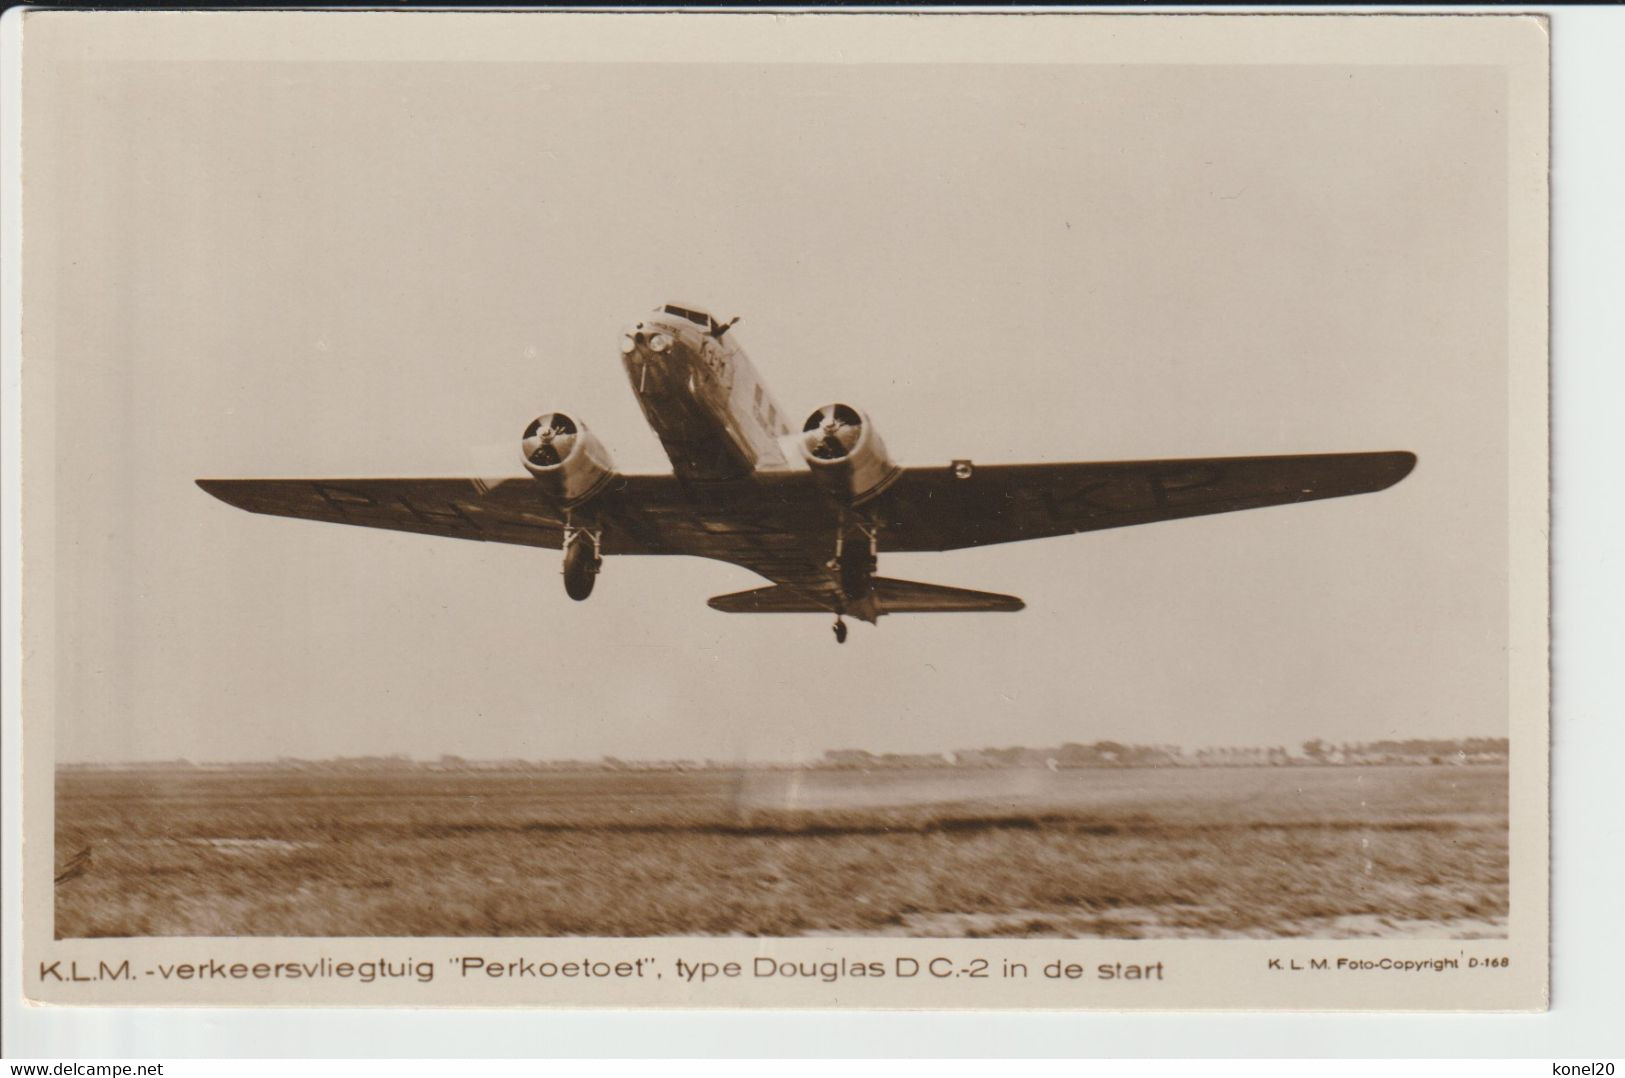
643 514
951 508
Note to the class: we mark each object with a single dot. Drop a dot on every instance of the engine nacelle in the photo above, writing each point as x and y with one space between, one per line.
844 451
567 458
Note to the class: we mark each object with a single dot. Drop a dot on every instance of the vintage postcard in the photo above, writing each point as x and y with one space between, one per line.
711 510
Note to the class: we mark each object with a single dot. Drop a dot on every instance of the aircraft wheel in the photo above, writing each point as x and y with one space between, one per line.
840 631
580 569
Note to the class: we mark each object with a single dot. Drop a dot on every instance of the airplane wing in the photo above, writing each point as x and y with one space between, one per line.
506 511
944 509
778 526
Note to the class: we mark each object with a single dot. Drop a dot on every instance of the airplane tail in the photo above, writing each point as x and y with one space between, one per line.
890 597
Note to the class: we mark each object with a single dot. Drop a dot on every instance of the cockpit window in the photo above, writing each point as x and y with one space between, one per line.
697 317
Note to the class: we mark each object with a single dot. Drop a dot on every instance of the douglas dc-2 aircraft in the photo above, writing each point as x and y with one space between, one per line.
810 510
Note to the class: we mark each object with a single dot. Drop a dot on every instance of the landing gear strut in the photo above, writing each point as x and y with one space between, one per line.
582 560
841 560
840 631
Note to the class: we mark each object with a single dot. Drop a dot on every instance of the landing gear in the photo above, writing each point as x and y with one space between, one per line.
582 560
853 567
842 559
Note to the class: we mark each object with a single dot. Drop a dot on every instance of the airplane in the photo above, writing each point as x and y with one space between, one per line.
809 509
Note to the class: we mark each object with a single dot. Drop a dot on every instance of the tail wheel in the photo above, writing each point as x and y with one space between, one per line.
840 631
581 565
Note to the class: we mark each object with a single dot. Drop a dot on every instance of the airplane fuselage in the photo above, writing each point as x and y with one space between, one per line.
704 399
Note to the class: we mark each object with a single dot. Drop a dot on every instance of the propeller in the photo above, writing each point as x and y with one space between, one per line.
549 439
832 431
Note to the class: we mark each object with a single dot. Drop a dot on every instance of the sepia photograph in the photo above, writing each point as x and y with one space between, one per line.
800 487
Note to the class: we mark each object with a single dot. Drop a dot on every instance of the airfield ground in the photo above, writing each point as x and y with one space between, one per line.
1125 853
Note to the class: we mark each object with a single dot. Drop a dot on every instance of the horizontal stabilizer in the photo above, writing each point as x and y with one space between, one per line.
890 597
912 597
774 599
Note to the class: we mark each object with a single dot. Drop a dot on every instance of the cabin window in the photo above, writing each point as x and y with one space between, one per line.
698 318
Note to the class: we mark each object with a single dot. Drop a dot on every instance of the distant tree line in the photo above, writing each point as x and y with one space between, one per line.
1118 754
1071 754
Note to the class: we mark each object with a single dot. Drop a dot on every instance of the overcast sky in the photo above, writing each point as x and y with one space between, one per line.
387 269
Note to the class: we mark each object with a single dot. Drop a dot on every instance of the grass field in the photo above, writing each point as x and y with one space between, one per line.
1202 852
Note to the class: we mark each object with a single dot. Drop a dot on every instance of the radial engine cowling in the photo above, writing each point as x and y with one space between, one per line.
566 457
844 451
